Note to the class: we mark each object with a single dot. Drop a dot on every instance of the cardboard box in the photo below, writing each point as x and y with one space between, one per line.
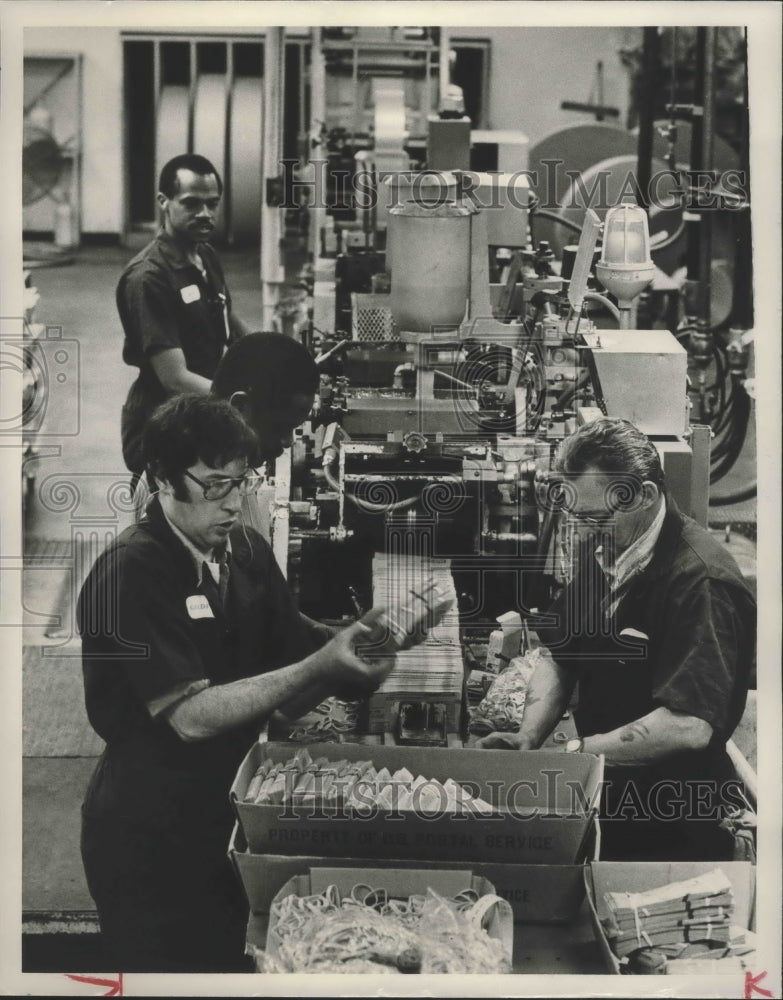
400 884
546 804
537 894
638 876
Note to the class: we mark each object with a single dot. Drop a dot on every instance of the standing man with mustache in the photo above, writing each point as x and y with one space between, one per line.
173 300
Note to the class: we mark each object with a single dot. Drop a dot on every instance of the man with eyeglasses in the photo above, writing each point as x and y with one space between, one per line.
190 641
657 628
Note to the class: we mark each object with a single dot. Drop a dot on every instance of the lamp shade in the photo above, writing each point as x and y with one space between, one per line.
625 268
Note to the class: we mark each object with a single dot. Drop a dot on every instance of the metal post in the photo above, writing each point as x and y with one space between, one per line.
272 266
693 219
708 147
444 69
318 152
650 85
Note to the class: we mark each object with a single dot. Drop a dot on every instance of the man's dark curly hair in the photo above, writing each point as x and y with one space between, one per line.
271 368
191 427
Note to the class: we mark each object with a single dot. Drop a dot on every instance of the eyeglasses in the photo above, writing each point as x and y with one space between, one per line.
595 517
218 489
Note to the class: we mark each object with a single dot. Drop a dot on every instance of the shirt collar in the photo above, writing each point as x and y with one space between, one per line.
637 556
199 558
173 251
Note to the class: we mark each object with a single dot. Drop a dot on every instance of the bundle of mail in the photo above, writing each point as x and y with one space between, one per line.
682 922
434 668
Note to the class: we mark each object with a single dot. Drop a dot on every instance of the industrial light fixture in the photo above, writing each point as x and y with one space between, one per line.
625 268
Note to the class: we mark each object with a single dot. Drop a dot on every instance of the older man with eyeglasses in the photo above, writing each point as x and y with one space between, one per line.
190 641
657 627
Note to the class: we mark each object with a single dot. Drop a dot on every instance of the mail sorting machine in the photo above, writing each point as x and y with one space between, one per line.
433 445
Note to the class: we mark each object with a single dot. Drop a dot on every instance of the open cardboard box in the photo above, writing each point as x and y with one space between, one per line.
547 803
638 876
399 884
538 894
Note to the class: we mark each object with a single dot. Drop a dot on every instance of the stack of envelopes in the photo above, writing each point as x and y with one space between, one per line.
305 781
682 919
432 670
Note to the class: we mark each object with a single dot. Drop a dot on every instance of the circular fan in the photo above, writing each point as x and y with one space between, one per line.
42 164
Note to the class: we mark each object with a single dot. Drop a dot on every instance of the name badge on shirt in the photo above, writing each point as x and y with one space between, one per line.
190 293
633 633
198 606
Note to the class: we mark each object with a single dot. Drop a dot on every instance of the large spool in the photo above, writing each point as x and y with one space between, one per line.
389 124
171 131
430 247
209 129
245 137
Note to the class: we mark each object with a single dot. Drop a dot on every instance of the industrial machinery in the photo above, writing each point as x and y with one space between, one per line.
435 443
456 353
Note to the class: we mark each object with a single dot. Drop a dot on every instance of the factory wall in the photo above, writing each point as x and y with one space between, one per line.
533 69
101 51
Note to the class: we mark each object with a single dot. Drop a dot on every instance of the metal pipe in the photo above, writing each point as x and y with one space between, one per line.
650 83
317 123
605 302
444 67
693 219
742 302
272 265
708 159
745 772
457 381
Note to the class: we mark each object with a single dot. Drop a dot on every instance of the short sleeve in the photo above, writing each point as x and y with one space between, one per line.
132 622
701 663
149 309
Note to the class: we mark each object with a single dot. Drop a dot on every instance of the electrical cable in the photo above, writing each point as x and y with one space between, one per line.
736 440
607 303
543 213
369 506
571 391
739 496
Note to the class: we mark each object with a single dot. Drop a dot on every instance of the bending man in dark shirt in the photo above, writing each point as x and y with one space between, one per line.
658 629
173 300
190 641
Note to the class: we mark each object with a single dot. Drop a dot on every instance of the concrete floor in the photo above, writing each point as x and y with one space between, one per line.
77 505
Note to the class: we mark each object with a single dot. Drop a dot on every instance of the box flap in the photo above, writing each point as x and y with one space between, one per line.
405 881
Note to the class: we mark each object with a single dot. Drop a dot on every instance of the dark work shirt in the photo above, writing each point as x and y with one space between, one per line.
682 637
143 635
165 302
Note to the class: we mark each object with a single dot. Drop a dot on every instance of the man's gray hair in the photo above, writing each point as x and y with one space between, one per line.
613 446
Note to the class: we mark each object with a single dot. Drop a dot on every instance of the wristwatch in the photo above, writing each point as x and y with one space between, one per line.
575 745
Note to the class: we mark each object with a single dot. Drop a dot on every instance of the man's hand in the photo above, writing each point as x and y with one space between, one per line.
340 663
505 741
